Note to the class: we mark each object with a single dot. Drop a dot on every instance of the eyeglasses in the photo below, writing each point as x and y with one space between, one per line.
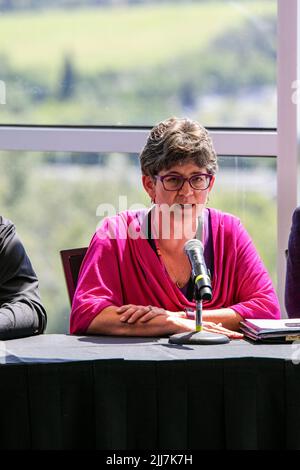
199 181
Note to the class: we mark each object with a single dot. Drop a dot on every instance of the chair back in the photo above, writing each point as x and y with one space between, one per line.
71 261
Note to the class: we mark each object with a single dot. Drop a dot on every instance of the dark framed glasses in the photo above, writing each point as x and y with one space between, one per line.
199 181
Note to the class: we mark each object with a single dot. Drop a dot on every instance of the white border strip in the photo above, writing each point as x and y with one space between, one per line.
48 139
287 163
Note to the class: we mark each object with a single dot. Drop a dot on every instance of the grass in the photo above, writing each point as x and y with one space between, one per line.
118 38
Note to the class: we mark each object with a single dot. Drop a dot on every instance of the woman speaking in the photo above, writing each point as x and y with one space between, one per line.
136 277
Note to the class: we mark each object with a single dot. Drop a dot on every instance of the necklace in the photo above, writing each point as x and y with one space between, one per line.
180 285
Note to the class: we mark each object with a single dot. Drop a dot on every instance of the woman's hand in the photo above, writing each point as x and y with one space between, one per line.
218 328
131 313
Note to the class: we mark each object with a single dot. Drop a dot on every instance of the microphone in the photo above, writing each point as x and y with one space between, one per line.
194 250
202 291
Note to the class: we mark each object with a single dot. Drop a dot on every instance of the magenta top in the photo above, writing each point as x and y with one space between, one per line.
121 267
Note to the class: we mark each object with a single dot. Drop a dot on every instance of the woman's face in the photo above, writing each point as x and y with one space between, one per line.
186 197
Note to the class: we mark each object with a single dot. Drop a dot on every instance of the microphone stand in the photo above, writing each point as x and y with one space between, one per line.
199 336
198 315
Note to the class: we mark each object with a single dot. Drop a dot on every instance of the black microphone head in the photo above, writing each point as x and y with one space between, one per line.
194 251
193 244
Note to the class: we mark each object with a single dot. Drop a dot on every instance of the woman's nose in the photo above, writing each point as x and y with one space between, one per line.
186 188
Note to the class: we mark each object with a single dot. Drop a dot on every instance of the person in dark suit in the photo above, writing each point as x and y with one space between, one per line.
21 311
292 283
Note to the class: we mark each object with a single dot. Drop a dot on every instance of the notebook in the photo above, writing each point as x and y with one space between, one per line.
273 331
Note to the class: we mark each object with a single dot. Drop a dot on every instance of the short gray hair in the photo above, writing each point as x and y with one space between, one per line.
177 141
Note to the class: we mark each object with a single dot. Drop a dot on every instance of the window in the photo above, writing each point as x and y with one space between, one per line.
87 62
246 187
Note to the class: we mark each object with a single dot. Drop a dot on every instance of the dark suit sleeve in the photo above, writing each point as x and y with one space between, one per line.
21 310
292 285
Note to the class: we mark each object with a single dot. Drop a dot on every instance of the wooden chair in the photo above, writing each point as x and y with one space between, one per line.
71 261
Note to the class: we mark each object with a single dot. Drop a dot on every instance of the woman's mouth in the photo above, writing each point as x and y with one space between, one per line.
187 206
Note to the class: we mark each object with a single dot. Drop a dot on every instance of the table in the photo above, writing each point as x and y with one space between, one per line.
93 392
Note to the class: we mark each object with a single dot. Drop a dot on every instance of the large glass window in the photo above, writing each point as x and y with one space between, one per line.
57 200
246 187
135 62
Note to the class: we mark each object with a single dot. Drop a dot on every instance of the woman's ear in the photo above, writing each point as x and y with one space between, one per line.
149 186
212 182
